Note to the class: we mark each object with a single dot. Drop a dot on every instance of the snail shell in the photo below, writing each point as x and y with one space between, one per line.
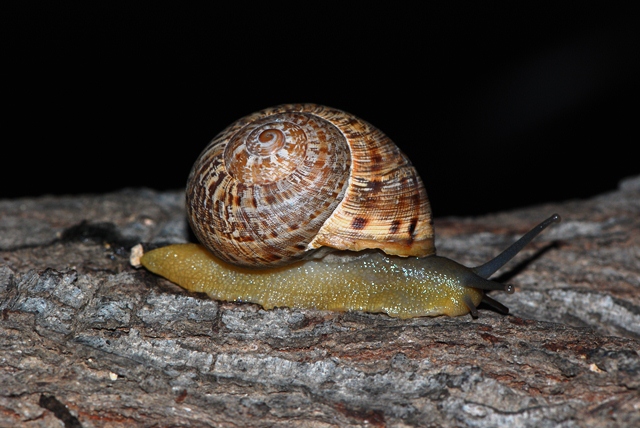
279 184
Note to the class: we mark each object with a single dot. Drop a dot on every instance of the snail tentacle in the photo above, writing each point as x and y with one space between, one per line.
487 269
495 304
472 308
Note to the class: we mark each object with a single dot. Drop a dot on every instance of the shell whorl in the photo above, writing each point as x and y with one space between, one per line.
279 183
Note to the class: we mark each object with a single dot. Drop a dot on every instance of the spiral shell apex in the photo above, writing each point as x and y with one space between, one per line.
280 183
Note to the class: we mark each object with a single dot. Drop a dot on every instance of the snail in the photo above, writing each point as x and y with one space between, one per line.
303 205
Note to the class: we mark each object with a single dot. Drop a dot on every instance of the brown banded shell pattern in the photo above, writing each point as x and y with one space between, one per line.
279 183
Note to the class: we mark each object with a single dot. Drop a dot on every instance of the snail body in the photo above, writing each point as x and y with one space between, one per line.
307 206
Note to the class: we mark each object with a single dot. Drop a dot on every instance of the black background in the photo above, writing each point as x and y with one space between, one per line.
498 107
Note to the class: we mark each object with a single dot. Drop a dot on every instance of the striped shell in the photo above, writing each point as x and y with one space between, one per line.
280 183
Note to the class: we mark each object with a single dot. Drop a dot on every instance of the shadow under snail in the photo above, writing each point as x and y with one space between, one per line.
307 206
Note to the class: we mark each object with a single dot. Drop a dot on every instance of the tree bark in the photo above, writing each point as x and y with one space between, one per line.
88 340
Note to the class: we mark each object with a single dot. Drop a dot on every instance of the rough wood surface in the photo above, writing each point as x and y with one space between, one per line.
87 340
